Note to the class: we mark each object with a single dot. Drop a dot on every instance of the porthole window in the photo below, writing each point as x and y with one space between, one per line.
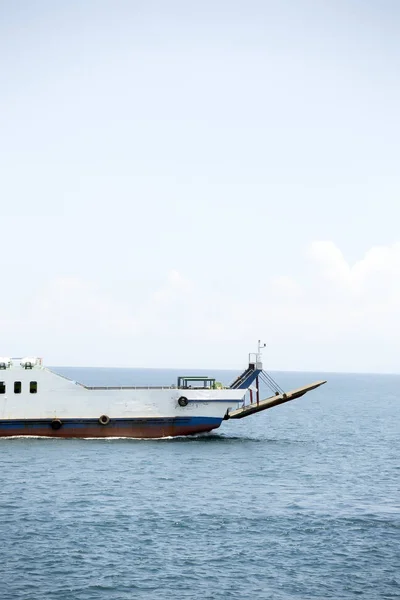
33 387
17 387
2 387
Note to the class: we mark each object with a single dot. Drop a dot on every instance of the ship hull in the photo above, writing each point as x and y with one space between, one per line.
38 402
91 428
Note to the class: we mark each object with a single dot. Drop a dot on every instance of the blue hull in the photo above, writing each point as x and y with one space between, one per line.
87 428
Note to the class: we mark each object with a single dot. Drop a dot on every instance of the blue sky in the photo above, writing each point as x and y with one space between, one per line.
179 179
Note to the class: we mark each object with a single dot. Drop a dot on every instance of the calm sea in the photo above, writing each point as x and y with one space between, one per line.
302 501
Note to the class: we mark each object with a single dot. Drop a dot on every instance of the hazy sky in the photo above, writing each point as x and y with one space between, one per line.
179 179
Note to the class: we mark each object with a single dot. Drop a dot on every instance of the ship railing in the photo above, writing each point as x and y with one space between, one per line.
129 387
16 361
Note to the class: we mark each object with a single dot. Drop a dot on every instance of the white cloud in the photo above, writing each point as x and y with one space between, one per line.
339 317
378 272
332 261
355 307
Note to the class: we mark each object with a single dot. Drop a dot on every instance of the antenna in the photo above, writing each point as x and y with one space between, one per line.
260 346
259 352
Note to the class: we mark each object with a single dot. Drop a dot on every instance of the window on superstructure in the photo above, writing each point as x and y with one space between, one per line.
17 387
33 387
2 387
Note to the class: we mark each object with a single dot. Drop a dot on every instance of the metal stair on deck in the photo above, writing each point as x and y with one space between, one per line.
242 377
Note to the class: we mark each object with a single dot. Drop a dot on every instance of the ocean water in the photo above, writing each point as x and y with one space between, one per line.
299 502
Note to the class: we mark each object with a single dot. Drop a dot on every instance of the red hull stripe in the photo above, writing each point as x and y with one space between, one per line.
87 428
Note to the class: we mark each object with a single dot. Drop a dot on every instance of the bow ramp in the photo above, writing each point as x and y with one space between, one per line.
255 374
278 398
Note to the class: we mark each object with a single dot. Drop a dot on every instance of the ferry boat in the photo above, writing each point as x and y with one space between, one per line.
36 401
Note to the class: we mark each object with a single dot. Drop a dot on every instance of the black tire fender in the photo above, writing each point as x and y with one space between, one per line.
56 424
183 401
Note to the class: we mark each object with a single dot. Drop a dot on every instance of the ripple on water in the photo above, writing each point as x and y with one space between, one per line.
300 502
